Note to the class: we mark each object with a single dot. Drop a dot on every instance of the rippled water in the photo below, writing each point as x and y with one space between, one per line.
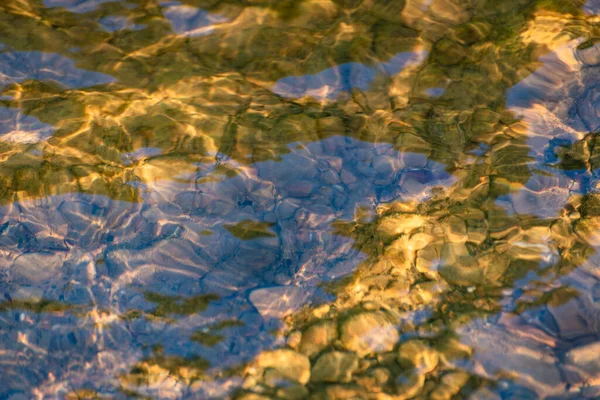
321 199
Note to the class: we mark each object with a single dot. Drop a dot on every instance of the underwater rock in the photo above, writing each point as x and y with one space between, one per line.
588 230
288 363
299 189
277 302
318 337
409 384
335 366
294 339
292 392
386 165
368 332
37 267
400 224
427 260
449 386
570 316
340 392
252 396
545 203
416 354
584 361
329 177
497 351
458 266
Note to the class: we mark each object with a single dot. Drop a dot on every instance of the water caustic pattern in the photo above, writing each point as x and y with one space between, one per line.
320 199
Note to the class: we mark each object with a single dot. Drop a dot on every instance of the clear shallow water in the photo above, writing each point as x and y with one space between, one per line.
325 200
243 242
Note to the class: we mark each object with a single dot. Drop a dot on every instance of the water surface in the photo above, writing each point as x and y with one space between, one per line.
312 199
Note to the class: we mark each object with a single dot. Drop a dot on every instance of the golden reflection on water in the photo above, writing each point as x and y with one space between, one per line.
299 199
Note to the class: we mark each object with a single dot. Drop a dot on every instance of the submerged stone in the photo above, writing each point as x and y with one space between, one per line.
498 352
584 362
368 332
292 392
451 383
37 267
409 385
288 363
341 391
335 366
416 354
300 189
277 302
318 337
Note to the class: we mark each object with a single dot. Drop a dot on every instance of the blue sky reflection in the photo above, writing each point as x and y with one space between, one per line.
329 83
